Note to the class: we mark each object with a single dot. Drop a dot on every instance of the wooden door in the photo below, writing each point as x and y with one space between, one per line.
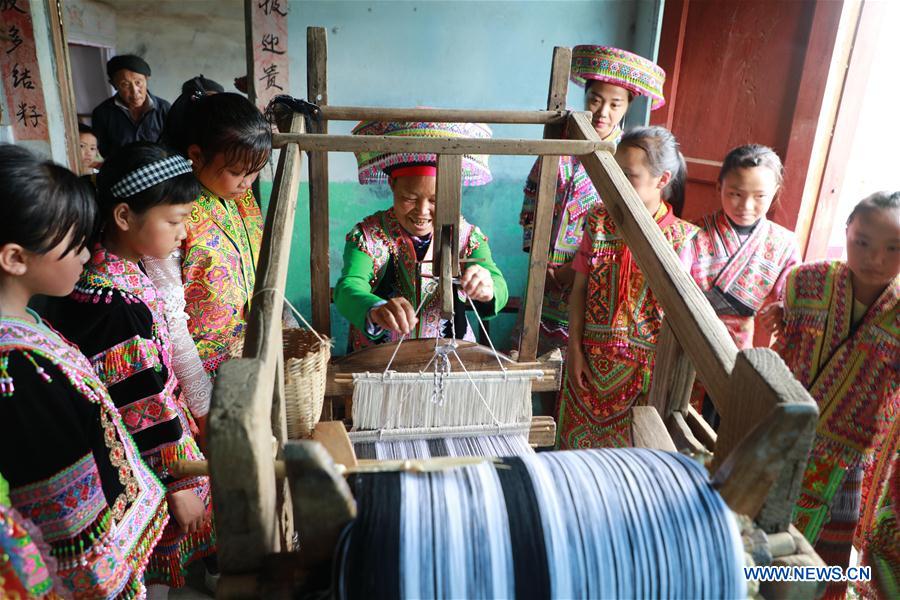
751 71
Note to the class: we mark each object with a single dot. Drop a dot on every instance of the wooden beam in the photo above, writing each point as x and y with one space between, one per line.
240 464
673 375
64 81
323 502
543 213
696 325
368 143
671 48
319 257
241 415
649 431
760 379
448 207
446 115
810 130
682 436
869 19
766 466
413 356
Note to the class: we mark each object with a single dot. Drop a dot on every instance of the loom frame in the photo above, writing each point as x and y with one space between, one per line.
768 417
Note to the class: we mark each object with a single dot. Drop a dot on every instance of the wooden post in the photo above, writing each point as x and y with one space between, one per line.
448 207
763 386
319 258
241 415
673 374
750 479
543 212
323 503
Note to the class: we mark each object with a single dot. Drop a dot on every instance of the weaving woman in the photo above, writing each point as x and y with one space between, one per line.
388 252
840 339
611 79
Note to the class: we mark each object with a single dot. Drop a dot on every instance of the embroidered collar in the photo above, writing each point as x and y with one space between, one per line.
105 272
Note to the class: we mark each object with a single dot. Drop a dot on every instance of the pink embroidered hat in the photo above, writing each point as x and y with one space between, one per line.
374 167
619 67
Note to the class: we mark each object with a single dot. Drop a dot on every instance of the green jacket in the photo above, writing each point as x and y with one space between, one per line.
380 263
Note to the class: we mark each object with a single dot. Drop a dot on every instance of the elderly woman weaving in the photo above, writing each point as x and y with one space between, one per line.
385 289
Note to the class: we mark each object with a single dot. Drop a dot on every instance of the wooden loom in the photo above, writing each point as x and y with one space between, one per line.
768 418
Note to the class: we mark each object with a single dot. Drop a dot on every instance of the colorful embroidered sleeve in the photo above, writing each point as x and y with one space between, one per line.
120 342
353 295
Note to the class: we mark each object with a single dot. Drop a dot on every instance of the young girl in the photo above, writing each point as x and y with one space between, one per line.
611 79
841 338
741 259
614 317
214 269
117 318
72 466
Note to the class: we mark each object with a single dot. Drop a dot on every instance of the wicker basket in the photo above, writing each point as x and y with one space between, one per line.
306 356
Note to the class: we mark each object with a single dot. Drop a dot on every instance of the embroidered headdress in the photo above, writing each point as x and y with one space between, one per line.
150 175
374 167
619 67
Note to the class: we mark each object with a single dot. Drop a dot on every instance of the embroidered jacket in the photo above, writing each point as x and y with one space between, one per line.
575 196
853 373
117 318
621 324
742 278
380 263
98 506
219 272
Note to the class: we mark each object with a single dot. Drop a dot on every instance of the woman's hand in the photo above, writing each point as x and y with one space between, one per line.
188 509
476 282
577 367
397 315
771 319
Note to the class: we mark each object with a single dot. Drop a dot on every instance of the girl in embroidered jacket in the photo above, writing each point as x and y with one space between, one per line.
840 336
611 79
614 317
72 466
741 259
229 142
117 318
381 283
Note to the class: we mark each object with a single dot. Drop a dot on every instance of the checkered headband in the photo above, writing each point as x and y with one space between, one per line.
149 175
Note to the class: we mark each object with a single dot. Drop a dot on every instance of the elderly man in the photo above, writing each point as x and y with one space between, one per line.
133 113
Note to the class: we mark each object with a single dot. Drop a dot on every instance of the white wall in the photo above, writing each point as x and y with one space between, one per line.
180 40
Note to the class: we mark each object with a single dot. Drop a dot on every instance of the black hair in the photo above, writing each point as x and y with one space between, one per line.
42 202
663 154
193 88
873 202
750 156
224 123
180 189
200 85
588 83
82 128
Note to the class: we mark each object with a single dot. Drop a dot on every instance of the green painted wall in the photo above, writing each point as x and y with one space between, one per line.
496 204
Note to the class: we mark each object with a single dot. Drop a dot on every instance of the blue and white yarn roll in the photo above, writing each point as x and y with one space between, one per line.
623 523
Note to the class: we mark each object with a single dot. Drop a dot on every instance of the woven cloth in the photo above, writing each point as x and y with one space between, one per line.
619 67
374 167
